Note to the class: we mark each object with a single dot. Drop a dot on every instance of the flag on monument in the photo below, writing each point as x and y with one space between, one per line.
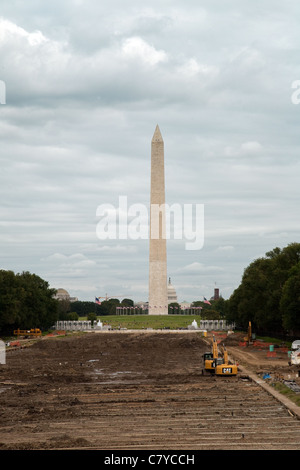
206 301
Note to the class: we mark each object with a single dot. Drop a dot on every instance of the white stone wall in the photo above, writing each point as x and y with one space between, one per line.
73 325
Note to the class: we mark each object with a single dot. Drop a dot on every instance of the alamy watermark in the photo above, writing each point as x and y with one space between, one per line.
2 92
2 352
295 98
182 222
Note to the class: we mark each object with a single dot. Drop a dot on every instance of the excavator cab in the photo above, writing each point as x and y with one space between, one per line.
208 362
211 359
226 368
214 364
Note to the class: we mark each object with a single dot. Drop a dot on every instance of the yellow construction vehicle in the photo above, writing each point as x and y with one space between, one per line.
33 332
248 338
213 364
226 368
210 359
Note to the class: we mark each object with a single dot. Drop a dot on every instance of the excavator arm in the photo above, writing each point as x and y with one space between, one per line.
215 348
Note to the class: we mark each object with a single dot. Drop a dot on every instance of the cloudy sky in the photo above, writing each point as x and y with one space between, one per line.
83 85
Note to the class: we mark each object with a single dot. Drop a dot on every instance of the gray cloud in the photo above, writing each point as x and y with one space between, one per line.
86 84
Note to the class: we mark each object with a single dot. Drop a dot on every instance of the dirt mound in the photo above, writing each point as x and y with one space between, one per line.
137 390
230 339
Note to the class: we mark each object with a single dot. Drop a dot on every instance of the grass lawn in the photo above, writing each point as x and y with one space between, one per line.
148 321
284 390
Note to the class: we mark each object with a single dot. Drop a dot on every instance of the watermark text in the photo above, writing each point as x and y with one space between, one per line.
295 98
2 92
162 221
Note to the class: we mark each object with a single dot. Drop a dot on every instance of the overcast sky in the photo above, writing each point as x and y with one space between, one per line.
86 82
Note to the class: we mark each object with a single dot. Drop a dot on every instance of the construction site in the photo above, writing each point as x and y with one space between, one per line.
143 389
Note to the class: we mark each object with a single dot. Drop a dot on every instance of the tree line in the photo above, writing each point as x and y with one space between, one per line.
269 293
73 310
268 296
26 302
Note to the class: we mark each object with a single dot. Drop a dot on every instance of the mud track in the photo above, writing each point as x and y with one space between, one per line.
134 390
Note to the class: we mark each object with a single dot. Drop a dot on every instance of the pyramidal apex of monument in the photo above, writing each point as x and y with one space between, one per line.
157 137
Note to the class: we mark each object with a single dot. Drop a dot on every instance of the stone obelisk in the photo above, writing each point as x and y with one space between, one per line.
158 295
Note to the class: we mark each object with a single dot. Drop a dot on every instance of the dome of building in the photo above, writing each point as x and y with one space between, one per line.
62 294
62 291
172 296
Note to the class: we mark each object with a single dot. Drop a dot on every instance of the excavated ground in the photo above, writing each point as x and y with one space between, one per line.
138 390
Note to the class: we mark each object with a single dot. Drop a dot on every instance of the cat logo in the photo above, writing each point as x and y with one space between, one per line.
226 370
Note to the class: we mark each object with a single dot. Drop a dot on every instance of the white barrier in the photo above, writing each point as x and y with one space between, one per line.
74 325
210 325
207 325
2 352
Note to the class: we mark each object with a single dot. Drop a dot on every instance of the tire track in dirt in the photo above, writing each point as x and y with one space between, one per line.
134 391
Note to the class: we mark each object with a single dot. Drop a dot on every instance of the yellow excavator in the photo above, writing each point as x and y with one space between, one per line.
227 368
211 359
213 364
248 338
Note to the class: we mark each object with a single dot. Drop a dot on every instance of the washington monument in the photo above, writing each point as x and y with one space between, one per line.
158 296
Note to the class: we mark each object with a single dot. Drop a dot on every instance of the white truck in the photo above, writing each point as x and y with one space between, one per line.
295 353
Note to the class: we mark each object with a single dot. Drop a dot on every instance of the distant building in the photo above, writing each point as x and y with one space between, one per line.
172 296
184 305
62 294
142 305
216 294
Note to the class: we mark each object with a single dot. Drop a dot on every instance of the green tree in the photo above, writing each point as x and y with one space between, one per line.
10 301
109 306
209 311
221 306
38 307
92 317
72 316
258 297
63 309
26 301
174 308
127 303
290 302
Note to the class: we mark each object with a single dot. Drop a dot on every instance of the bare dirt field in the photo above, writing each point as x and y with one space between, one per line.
140 391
